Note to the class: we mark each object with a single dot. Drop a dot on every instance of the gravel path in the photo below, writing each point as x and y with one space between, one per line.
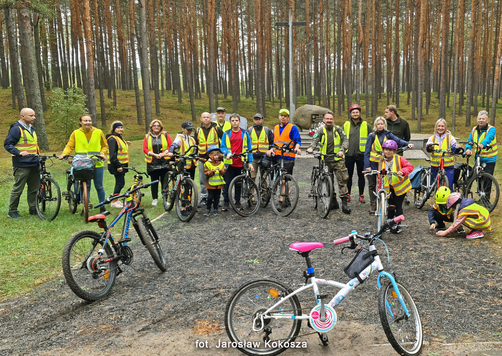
456 283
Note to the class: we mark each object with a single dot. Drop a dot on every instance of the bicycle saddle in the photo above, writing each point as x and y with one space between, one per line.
305 246
99 216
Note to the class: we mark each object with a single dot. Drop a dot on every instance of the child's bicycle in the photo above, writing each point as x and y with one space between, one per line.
263 317
91 259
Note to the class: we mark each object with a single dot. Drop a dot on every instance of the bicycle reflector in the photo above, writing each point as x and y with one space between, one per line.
394 294
273 292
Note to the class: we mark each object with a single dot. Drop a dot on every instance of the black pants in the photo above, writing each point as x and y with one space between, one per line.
154 175
119 182
350 161
231 173
398 202
213 198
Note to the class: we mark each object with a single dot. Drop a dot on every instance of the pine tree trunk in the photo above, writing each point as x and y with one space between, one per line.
17 84
444 57
470 64
5 74
91 95
145 72
134 67
397 62
38 57
154 59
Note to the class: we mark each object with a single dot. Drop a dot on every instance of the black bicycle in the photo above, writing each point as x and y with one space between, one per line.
243 192
321 186
49 193
91 260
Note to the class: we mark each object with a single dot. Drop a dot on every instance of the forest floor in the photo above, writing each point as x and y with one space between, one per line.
456 284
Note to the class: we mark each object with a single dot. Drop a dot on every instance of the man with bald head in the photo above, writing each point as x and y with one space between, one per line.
21 143
207 135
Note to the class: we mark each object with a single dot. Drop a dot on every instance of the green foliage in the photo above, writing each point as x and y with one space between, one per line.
66 106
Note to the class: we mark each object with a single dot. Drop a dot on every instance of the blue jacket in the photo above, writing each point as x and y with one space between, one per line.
490 135
10 142
226 150
369 143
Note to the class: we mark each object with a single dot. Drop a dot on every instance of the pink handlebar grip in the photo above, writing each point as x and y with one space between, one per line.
398 219
342 240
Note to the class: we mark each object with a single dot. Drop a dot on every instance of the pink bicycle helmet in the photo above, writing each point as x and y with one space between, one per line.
391 144
452 199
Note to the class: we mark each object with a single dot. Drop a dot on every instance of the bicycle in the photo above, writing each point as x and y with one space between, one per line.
91 259
179 189
429 185
475 183
243 192
49 193
76 189
263 317
321 186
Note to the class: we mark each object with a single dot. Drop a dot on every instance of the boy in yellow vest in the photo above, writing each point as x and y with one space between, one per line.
214 170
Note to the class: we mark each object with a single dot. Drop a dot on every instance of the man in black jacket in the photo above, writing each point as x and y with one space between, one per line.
397 125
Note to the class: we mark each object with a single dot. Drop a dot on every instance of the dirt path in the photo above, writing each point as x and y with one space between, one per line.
456 284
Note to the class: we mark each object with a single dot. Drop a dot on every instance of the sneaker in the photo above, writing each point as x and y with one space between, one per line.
279 206
225 206
215 212
348 197
118 204
33 212
202 203
372 209
361 199
238 206
208 212
154 202
460 230
14 215
475 235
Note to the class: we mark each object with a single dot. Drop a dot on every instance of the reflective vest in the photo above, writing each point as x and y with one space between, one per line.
122 150
184 145
324 143
445 146
206 142
88 148
27 142
492 152
229 145
226 126
363 134
400 185
281 139
217 178
440 211
259 144
165 146
375 148
477 217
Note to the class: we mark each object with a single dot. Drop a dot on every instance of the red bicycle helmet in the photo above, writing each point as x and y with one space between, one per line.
391 144
354 106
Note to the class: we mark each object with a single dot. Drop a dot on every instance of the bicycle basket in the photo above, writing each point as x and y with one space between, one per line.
83 168
361 260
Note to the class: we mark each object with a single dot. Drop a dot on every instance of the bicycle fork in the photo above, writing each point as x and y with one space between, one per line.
397 295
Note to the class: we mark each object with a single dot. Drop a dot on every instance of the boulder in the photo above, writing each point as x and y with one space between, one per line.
303 115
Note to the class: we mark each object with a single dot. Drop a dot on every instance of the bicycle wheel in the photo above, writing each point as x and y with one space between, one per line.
443 182
73 194
87 273
484 190
461 184
382 209
325 191
152 242
276 328
313 187
403 332
263 186
285 192
48 199
186 200
247 191
85 201
422 194
168 192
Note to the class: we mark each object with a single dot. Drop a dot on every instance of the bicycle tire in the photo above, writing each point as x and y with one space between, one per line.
461 184
249 201
421 195
79 259
290 195
168 192
85 202
313 186
325 192
382 209
249 300
484 190
404 333
152 243
443 182
263 186
73 194
48 199
186 203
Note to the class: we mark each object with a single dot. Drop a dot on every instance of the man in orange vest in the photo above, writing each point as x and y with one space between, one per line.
21 143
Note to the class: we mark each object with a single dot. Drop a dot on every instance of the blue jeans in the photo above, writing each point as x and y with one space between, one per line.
98 184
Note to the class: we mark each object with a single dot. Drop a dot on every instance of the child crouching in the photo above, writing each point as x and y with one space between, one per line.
214 170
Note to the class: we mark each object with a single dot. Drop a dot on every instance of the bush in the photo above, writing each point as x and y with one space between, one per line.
67 106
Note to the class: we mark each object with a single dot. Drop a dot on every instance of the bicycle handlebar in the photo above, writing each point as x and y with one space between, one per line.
126 194
389 223
135 170
286 147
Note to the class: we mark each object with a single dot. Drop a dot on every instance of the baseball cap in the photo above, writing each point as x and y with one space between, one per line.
284 111
221 108
187 125
258 116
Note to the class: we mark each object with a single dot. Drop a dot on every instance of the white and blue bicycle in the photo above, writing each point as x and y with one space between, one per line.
263 317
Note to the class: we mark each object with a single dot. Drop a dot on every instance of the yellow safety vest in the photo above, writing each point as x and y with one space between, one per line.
165 146
375 147
229 145
217 178
122 151
448 212
400 185
259 144
477 217
363 134
324 143
445 146
89 148
492 152
206 142
226 126
27 142
184 145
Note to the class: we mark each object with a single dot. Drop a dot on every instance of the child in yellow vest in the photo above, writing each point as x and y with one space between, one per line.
214 170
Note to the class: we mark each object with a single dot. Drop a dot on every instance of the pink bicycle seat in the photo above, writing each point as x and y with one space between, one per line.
305 246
